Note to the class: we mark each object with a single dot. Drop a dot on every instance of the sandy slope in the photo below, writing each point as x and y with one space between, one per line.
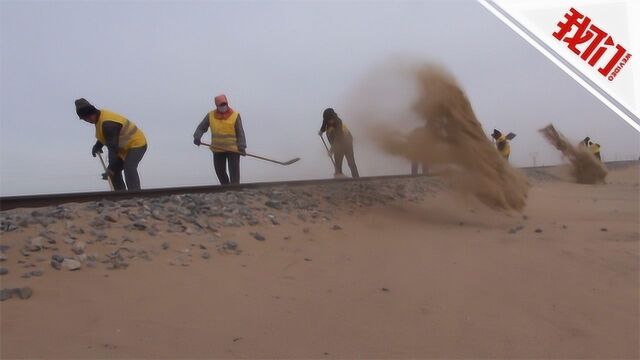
443 278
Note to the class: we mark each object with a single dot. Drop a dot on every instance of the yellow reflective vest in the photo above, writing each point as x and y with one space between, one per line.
503 143
223 133
130 136
345 131
595 150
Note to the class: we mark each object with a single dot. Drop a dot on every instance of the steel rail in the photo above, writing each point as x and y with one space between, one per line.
33 201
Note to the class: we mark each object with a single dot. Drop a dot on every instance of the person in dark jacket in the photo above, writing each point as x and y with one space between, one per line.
341 141
227 139
125 141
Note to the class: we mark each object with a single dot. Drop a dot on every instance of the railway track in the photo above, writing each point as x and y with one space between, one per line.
33 201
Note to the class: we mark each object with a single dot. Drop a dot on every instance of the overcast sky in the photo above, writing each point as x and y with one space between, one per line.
280 63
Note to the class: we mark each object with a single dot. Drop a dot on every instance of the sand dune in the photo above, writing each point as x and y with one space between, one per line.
436 276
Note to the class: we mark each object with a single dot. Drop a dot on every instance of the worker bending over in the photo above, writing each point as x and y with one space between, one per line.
125 141
227 139
503 143
341 142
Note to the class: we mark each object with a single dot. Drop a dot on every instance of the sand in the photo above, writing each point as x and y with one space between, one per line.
441 278
585 167
450 134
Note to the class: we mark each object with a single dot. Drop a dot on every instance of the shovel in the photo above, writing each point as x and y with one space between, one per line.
105 176
284 163
328 151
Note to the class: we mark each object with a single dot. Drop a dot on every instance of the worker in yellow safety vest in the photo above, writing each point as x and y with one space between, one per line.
124 140
591 146
341 142
227 139
595 150
503 143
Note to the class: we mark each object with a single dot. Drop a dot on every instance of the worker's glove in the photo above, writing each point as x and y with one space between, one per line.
97 149
108 174
196 141
110 171
242 152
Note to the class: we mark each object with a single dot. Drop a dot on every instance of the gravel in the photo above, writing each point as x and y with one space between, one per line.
23 293
203 216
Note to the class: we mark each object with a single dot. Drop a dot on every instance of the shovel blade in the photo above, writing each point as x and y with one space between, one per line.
291 161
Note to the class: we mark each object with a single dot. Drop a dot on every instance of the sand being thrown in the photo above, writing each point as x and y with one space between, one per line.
450 135
585 167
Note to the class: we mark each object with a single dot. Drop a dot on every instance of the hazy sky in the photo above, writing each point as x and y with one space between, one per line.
280 63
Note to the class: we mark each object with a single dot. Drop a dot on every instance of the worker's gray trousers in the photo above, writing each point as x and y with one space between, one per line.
342 151
130 167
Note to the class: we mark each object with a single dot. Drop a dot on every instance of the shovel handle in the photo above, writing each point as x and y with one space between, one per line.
328 151
251 155
104 166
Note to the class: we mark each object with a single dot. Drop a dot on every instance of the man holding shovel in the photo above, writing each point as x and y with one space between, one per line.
227 139
125 141
341 142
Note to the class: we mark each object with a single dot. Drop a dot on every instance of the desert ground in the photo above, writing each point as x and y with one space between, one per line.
387 269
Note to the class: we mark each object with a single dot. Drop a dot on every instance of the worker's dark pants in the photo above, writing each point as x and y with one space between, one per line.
130 167
220 165
342 151
415 166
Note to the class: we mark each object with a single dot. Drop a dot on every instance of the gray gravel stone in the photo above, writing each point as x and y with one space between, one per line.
139 225
273 219
71 264
258 236
35 244
24 292
516 229
274 204
36 273
56 264
78 247
230 245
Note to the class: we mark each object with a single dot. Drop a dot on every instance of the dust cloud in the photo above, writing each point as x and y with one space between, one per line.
585 167
447 136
